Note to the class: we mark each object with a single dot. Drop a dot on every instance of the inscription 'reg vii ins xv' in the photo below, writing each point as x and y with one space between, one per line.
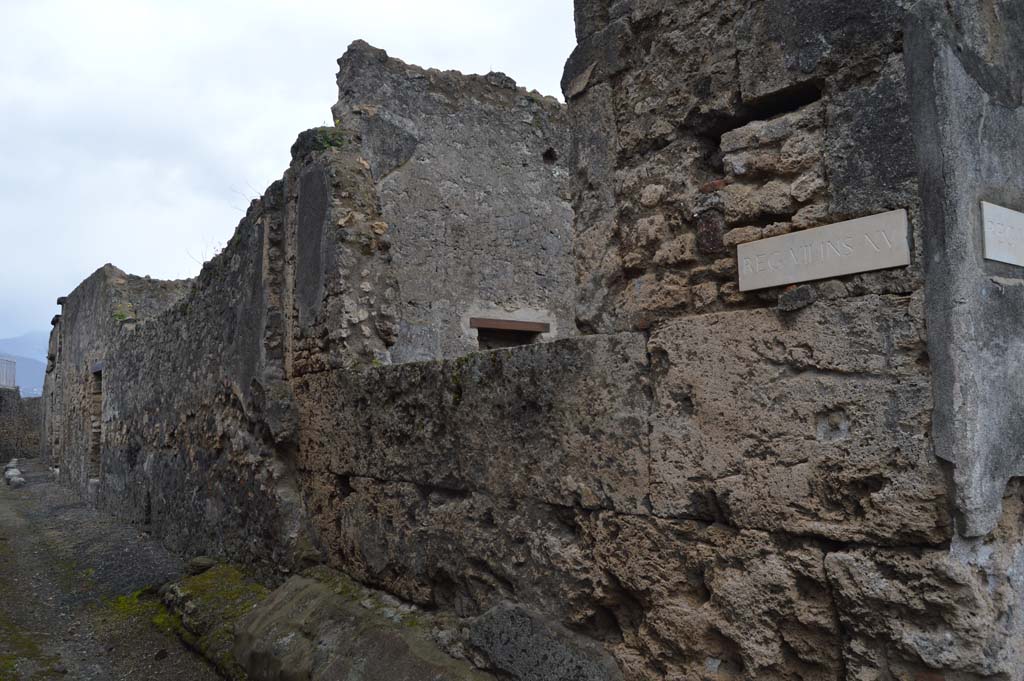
876 242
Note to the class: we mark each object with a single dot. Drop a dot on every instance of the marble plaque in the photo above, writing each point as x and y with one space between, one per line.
1004 234
876 242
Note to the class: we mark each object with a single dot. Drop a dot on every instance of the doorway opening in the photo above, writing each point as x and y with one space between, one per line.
95 424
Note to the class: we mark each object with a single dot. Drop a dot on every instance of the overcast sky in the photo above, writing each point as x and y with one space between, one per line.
136 132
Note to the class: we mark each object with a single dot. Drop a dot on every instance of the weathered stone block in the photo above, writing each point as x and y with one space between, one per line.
694 599
789 43
463 551
869 151
307 630
913 611
564 423
966 87
21 426
814 424
597 58
517 642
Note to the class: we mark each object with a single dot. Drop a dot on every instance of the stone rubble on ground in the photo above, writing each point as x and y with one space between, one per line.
11 472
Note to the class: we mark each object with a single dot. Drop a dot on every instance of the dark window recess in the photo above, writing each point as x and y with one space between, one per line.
493 334
492 339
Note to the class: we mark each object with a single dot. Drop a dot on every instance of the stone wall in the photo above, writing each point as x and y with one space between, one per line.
807 482
638 493
698 127
474 190
102 308
968 93
814 420
205 453
200 430
20 425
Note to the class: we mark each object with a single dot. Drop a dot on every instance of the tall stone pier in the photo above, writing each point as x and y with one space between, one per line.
771 429
858 435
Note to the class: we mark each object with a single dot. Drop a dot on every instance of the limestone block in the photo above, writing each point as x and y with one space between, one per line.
704 295
784 44
805 187
597 58
696 597
562 422
305 629
641 237
681 249
913 611
813 424
521 644
869 153
967 78
746 203
463 551
784 144
741 235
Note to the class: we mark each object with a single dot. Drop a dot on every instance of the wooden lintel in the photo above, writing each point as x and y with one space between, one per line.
508 325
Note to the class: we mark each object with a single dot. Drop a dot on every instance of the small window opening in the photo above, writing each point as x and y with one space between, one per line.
95 423
493 334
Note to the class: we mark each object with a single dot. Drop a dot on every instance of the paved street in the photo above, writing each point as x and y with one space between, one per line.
62 569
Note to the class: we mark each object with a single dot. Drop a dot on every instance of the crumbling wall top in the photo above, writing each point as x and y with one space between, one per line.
474 191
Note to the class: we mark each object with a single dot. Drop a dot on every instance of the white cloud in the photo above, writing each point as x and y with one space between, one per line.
135 132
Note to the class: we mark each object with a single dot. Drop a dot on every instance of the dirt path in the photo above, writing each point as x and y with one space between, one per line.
62 569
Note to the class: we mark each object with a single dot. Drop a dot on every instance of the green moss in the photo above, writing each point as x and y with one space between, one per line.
224 591
135 605
144 605
123 311
319 139
219 597
337 582
223 595
412 621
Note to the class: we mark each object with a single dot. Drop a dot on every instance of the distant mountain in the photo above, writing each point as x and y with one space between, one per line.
32 345
29 352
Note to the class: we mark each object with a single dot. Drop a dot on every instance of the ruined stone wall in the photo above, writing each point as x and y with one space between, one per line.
474 191
801 483
614 485
204 453
20 425
200 429
102 308
808 420
700 126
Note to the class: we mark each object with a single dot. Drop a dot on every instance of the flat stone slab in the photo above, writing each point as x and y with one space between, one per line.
876 242
1004 234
